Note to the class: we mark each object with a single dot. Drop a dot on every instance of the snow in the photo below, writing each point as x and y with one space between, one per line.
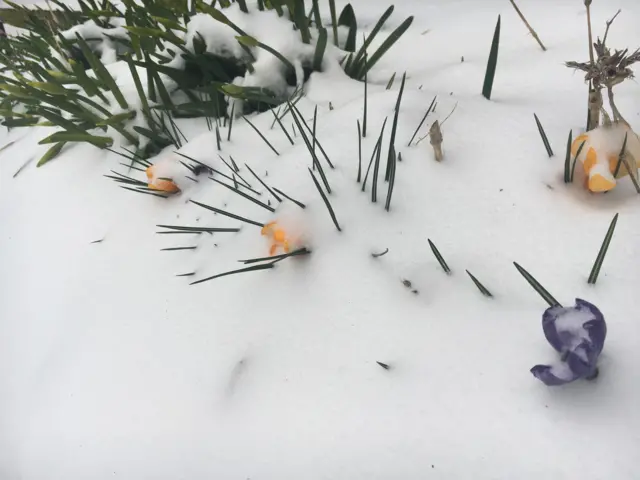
112 367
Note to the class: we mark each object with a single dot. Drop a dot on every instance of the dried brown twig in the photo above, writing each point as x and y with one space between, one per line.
531 30
606 71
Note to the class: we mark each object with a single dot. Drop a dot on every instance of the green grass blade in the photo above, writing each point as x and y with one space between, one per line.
423 120
538 287
244 195
567 159
481 287
595 271
300 204
623 151
490 73
233 272
261 135
439 257
264 184
575 159
51 153
543 135
394 128
348 19
334 21
386 45
359 178
392 180
326 201
227 214
321 46
375 154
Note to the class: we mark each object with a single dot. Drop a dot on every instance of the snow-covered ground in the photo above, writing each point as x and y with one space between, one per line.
111 366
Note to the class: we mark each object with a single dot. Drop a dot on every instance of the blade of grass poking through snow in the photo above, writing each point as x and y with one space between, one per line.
375 154
233 107
334 21
382 49
198 229
543 135
439 257
261 135
422 121
51 153
321 45
218 139
359 61
313 132
175 249
277 258
227 214
326 201
364 113
264 184
394 128
390 82
348 19
595 271
317 142
295 113
276 119
481 287
621 156
254 268
145 192
567 159
244 195
392 180
359 178
300 204
575 159
537 287
490 73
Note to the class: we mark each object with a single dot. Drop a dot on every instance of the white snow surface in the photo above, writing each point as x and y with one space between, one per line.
113 367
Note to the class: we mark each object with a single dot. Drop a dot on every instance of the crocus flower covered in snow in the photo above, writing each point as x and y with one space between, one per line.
578 334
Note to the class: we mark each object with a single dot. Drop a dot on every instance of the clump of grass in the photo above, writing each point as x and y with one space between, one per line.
490 73
595 271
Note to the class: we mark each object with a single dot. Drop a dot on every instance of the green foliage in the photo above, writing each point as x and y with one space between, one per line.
73 90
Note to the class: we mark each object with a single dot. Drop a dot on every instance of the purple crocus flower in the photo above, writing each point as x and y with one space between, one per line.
578 334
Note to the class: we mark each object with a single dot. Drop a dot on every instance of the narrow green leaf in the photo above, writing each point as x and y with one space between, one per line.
233 272
490 73
567 159
51 153
595 271
481 287
439 257
543 135
538 287
326 201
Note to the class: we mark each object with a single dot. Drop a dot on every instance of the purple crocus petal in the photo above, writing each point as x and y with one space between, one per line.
554 375
578 334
